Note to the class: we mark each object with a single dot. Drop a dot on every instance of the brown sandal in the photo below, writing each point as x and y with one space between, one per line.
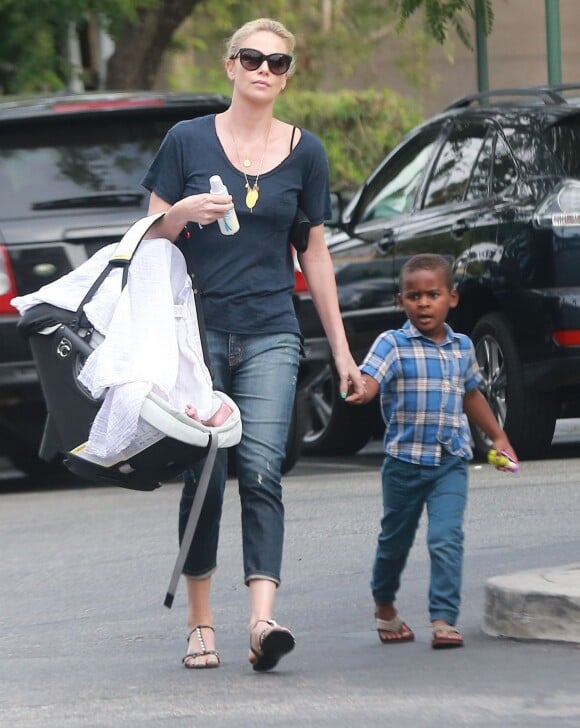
189 658
399 631
446 636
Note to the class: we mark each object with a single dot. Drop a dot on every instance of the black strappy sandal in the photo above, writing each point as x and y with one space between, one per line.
204 651
273 643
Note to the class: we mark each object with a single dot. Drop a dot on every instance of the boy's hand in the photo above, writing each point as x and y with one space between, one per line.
354 397
502 461
369 390
502 445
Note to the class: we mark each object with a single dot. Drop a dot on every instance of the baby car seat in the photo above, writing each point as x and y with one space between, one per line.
166 441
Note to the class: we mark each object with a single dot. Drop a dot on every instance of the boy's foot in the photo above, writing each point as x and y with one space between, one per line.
393 630
445 636
201 652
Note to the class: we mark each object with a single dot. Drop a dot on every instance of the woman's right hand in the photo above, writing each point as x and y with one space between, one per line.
204 208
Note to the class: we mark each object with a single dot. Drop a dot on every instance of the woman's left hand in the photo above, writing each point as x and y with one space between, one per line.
351 381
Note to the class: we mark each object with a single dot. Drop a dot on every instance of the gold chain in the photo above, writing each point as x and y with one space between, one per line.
252 192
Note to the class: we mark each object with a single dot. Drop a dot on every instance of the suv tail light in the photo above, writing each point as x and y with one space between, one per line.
561 208
300 285
567 337
7 282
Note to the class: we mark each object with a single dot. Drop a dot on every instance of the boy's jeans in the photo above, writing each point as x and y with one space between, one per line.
406 488
259 373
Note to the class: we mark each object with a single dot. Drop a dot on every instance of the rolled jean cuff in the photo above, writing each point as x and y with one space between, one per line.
199 577
266 577
450 617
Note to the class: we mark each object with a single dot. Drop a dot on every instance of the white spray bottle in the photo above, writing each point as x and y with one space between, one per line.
228 224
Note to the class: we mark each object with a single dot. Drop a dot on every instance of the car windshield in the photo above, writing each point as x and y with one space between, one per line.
96 161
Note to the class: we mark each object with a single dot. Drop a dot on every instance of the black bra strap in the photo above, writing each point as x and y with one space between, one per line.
292 137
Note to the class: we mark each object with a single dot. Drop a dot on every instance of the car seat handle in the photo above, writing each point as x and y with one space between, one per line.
130 241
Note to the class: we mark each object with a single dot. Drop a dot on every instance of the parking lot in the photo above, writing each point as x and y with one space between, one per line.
86 640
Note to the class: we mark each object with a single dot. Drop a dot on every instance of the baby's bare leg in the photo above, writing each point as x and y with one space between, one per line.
219 417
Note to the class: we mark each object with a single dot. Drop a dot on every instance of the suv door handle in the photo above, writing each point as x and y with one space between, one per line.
386 241
458 228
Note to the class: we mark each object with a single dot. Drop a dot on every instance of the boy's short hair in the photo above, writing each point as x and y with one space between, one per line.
428 261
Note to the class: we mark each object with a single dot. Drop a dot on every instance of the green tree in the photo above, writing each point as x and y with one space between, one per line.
143 41
34 37
34 34
441 16
329 33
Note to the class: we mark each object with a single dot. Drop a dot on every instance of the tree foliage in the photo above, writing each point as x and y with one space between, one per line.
332 34
142 44
441 16
33 37
357 128
336 33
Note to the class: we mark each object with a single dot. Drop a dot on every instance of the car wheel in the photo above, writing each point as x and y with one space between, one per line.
528 417
332 427
23 453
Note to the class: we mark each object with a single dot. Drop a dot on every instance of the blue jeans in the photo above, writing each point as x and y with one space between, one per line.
406 489
259 373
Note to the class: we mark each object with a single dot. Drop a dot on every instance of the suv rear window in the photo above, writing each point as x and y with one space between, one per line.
60 163
564 141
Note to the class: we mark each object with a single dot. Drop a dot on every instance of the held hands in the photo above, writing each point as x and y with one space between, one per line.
355 387
351 385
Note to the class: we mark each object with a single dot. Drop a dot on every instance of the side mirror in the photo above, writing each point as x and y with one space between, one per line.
338 202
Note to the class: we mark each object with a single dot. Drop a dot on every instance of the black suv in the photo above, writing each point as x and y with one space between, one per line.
70 169
492 183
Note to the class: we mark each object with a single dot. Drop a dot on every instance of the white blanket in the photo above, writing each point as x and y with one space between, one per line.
152 339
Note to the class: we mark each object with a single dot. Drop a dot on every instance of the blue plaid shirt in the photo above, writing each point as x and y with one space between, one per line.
422 385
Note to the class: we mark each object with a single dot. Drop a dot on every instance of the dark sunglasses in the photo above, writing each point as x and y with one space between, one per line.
251 60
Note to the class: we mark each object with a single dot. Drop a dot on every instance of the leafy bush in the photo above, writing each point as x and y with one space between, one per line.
357 128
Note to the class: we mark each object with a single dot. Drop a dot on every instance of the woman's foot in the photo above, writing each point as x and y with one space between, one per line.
268 643
201 652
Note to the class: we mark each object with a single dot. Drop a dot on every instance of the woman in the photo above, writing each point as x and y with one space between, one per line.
246 282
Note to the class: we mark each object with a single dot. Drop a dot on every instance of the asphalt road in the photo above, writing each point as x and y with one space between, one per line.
86 641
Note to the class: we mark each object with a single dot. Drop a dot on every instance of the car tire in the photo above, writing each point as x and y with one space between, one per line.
332 427
528 417
23 453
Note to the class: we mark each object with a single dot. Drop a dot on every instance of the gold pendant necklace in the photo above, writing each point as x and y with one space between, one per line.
252 195
252 191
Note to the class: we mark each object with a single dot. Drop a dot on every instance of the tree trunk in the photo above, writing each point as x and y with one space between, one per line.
140 47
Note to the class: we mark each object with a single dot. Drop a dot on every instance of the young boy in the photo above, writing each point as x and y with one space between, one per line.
428 379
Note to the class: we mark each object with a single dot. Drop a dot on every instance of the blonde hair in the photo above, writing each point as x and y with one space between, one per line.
238 39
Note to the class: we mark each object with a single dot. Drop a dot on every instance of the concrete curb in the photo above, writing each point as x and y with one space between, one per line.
540 604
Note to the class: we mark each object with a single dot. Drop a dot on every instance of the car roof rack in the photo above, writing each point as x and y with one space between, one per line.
548 95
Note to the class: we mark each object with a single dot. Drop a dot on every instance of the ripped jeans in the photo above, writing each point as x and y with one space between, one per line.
259 373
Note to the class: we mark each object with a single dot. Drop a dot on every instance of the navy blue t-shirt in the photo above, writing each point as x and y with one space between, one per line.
246 280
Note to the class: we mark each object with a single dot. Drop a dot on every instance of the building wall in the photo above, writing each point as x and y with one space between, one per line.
516 50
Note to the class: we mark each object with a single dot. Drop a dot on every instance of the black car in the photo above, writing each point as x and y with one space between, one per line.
70 171
493 184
